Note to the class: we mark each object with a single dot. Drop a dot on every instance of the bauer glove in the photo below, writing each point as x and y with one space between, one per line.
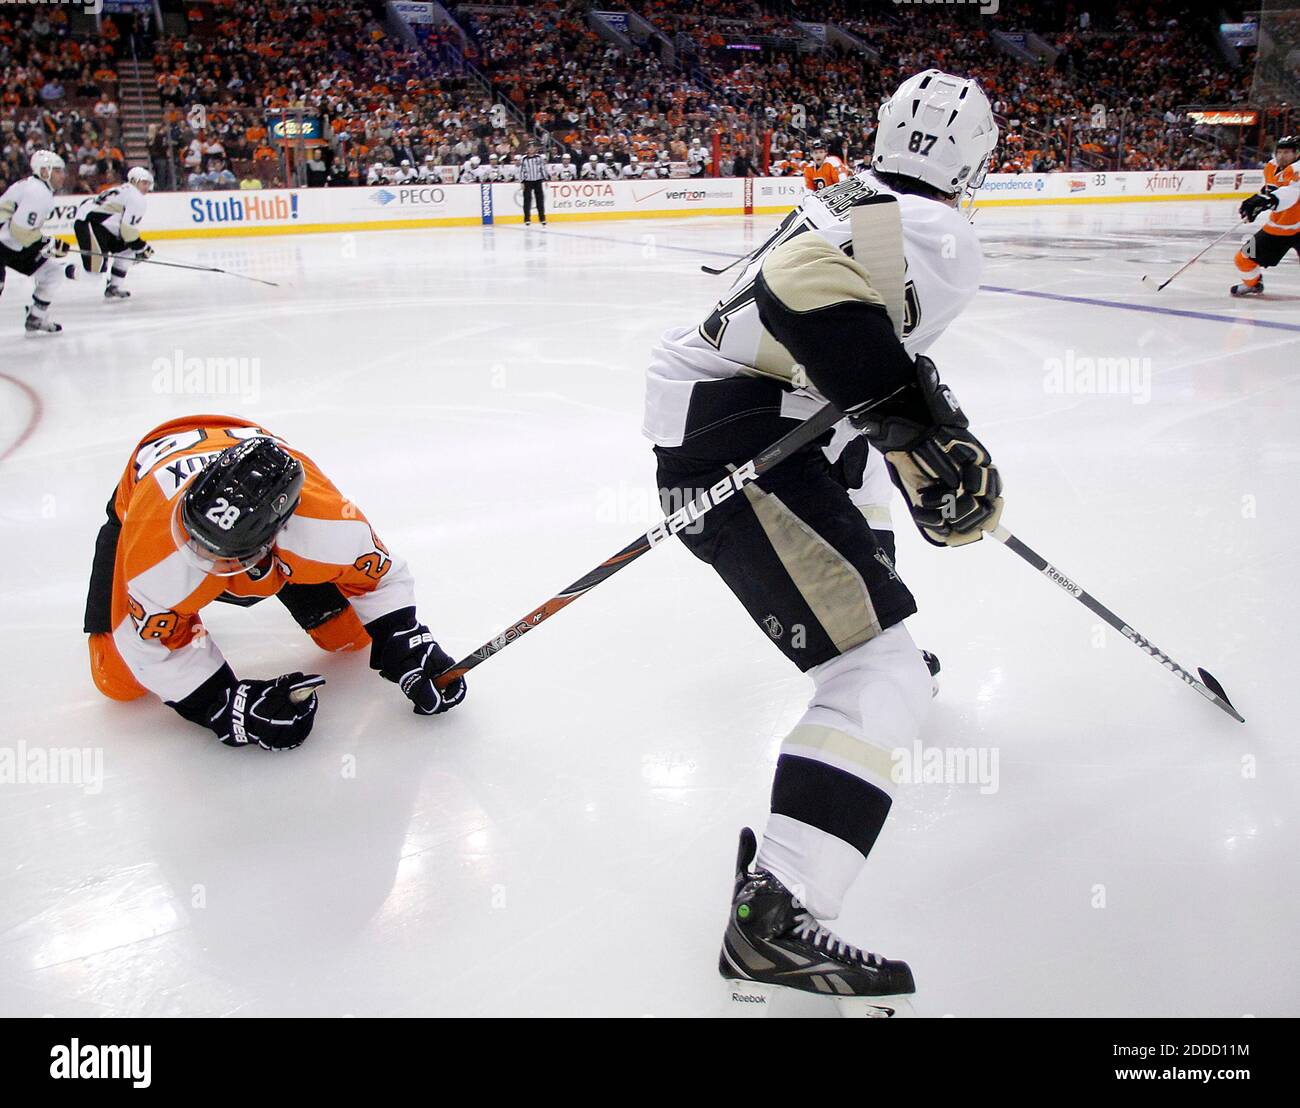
404 651
952 488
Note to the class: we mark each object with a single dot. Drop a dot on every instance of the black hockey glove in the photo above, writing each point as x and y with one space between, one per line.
54 248
404 651
143 250
952 488
275 715
1253 205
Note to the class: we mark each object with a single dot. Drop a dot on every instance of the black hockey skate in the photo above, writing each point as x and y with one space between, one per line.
1248 290
112 292
41 326
773 942
932 664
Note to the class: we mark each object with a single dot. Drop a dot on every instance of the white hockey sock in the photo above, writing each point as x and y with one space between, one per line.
883 681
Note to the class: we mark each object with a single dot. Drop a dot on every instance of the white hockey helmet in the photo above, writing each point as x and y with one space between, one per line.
139 175
45 162
938 129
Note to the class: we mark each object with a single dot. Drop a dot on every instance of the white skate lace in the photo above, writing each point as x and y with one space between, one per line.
806 927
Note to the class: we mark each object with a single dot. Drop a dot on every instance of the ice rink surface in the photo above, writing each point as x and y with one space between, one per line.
564 841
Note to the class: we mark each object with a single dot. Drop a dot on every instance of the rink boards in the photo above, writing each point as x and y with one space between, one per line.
393 207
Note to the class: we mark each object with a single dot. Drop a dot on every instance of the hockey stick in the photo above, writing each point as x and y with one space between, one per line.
719 272
1207 686
1229 231
809 430
177 265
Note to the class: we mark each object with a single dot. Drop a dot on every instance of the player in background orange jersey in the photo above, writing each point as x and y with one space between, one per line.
1280 196
214 508
823 172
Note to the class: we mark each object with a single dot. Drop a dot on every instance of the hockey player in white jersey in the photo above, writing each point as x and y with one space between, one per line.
469 171
838 305
697 159
633 170
607 169
591 168
564 170
661 168
24 247
107 229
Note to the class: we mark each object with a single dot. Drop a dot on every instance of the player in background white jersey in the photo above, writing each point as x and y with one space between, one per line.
662 167
469 171
633 170
107 229
607 169
838 305
697 159
429 170
591 168
564 169
24 247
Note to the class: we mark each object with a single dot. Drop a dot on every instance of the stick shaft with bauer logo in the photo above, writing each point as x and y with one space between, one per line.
808 431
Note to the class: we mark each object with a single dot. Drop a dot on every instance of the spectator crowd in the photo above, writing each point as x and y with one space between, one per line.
260 92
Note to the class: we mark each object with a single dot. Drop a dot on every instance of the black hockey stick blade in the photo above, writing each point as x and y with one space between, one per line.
712 272
1212 683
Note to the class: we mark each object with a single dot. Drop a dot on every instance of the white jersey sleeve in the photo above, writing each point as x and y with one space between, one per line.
943 264
24 208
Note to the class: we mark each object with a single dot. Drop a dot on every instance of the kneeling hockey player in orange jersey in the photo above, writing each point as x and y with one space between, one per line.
1280 197
213 508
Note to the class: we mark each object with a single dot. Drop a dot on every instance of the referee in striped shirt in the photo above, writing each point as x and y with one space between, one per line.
532 171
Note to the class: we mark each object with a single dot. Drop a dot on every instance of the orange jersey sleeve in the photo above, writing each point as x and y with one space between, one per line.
1285 183
159 588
